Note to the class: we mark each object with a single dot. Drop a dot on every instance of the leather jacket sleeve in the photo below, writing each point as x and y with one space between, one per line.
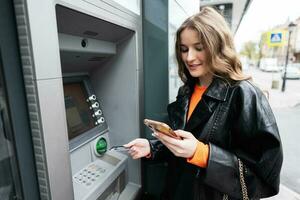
159 152
254 139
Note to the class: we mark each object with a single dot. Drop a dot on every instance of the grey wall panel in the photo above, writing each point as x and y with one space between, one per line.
55 135
117 10
41 15
155 54
155 51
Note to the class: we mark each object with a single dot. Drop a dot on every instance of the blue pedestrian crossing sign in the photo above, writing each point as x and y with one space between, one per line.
276 38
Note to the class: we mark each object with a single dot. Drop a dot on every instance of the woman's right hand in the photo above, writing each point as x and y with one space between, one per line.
138 148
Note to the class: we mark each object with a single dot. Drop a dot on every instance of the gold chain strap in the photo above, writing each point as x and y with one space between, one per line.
242 181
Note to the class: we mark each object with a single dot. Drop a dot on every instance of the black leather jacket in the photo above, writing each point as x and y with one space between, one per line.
237 123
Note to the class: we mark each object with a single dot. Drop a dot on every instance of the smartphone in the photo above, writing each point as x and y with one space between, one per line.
160 127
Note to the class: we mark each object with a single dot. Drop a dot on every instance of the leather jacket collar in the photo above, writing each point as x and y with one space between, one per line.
217 91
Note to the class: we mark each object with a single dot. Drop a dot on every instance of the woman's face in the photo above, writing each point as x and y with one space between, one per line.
194 56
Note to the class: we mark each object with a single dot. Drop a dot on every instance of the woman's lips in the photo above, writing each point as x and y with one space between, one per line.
194 66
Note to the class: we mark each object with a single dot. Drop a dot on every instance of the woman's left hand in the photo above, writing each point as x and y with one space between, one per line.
182 148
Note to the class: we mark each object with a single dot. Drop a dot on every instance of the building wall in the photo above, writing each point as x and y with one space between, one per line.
297 41
179 10
238 10
280 52
132 5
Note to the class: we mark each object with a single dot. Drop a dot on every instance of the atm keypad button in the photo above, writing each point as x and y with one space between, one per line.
89 175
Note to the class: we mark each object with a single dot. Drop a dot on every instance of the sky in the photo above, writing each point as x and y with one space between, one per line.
263 15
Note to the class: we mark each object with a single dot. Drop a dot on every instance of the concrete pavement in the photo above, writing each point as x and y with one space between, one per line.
285 194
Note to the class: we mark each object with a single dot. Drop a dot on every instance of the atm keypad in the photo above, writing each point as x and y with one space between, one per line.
89 175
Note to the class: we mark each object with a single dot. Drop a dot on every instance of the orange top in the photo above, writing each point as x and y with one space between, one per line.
200 157
195 98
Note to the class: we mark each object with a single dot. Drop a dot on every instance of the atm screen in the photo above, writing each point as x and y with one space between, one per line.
79 116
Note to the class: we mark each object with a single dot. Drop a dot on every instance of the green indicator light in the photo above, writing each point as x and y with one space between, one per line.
101 146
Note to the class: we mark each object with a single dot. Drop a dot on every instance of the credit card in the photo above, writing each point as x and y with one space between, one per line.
119 148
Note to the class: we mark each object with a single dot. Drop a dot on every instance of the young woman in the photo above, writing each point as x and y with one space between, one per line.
230 147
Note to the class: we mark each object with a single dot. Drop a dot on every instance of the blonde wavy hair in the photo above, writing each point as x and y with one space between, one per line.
217 39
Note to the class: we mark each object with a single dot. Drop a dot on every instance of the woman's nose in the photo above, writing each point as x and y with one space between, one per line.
190 55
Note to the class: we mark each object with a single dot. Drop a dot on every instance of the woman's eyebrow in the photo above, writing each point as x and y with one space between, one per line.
196 43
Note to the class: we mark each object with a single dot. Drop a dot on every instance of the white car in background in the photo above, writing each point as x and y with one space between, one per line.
269 65
292 71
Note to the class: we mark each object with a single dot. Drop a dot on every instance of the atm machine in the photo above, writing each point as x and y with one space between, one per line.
90 71
83 76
